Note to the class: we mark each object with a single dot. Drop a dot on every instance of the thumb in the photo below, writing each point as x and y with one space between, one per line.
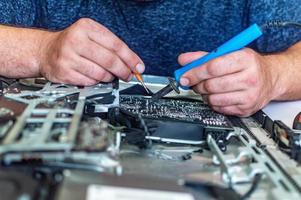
188 57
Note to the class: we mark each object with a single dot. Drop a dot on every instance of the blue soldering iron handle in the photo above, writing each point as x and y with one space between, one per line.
238 42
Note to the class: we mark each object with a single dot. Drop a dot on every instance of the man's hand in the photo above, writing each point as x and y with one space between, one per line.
239 83
86 53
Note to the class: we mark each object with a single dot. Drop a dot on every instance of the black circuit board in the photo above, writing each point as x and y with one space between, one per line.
175 109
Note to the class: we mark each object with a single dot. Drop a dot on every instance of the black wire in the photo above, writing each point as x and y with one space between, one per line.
145 128
280 24
255 183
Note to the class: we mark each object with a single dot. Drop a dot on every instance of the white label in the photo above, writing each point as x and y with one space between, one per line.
98 192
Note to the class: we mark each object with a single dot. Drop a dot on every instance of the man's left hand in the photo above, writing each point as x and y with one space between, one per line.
238 84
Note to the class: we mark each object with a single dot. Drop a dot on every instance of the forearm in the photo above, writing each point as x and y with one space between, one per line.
20 51
286 72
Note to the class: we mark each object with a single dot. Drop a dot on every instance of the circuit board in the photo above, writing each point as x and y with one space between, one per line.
175 109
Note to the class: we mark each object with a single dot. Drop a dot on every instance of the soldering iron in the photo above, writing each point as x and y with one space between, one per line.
236 43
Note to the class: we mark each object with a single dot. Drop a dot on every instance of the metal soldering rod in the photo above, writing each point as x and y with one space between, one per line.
140 79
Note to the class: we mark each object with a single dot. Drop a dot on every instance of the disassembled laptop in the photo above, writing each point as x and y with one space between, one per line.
69 142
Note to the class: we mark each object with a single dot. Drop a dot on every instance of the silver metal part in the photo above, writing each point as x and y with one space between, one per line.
146 89
258 162
283 162
49 128
223 164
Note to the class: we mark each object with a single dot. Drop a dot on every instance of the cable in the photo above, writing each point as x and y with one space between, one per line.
280 24
255 183
145 128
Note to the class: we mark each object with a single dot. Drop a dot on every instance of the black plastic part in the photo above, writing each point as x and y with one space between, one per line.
293 138
178 130
172 86
170 129
297 122
265 121
216 192
161 93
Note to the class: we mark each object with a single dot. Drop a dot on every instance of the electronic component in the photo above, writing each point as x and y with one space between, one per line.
175 109
288 140
256 165
172 86
60 137
169 119
55 128
297 122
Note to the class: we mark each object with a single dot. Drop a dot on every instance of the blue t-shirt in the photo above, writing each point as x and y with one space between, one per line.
160 30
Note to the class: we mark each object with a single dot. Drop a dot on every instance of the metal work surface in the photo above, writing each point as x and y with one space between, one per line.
81 139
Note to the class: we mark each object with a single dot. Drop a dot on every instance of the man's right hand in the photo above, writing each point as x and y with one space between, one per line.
86 53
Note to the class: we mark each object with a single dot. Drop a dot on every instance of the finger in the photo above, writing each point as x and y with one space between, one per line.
200 88
220 66
224 84
110 41
93 71
227 99
188 57
105 59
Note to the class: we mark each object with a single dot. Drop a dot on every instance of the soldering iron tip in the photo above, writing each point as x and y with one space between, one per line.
146 89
